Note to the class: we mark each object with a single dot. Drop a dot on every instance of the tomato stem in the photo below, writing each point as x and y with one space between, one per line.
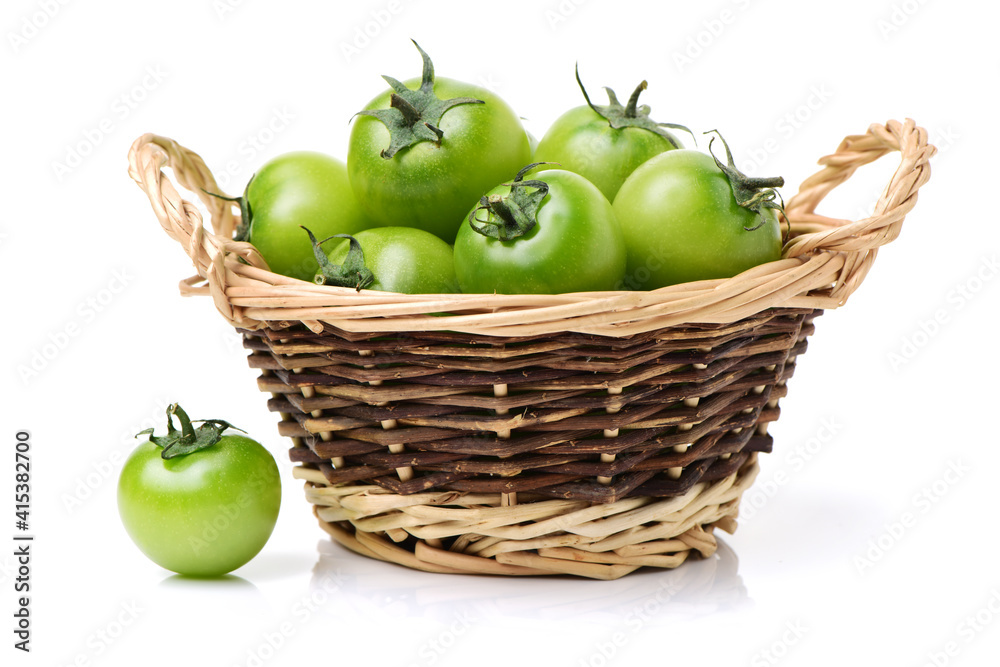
508 214
352 273
630 108
768 182
242 232
414 115
512 215
410 113
752 193
631 115
189 439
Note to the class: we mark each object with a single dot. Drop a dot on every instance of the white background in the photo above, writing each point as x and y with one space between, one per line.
822 572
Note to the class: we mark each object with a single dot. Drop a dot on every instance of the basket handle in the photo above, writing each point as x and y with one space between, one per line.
182 220
860 240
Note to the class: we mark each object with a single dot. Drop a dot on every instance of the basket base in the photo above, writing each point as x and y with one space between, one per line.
462 533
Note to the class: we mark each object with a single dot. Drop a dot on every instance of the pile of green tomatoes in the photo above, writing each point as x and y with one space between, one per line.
443 191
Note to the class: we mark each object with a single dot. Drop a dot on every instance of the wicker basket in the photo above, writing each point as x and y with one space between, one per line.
587 434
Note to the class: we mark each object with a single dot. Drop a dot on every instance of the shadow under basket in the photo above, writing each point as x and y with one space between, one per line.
583 434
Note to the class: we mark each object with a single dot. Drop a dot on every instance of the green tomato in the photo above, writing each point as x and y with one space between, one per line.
403 259
583 142
201 514
682 223
300 188
532 142
576 244
605 143
410 177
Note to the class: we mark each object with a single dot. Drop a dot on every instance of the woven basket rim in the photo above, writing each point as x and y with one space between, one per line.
823 262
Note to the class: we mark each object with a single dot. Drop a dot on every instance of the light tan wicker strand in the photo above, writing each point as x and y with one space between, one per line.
825 260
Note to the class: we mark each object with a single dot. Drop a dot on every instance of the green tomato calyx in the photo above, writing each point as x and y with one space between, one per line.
752 193
188 439
242 232
414 115
352 273
512 215
631 115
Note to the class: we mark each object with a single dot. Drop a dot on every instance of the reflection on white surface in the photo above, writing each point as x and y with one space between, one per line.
208 597
228 582
697 588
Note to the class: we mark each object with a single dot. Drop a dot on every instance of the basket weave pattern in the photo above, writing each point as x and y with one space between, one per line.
589 434
573 416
